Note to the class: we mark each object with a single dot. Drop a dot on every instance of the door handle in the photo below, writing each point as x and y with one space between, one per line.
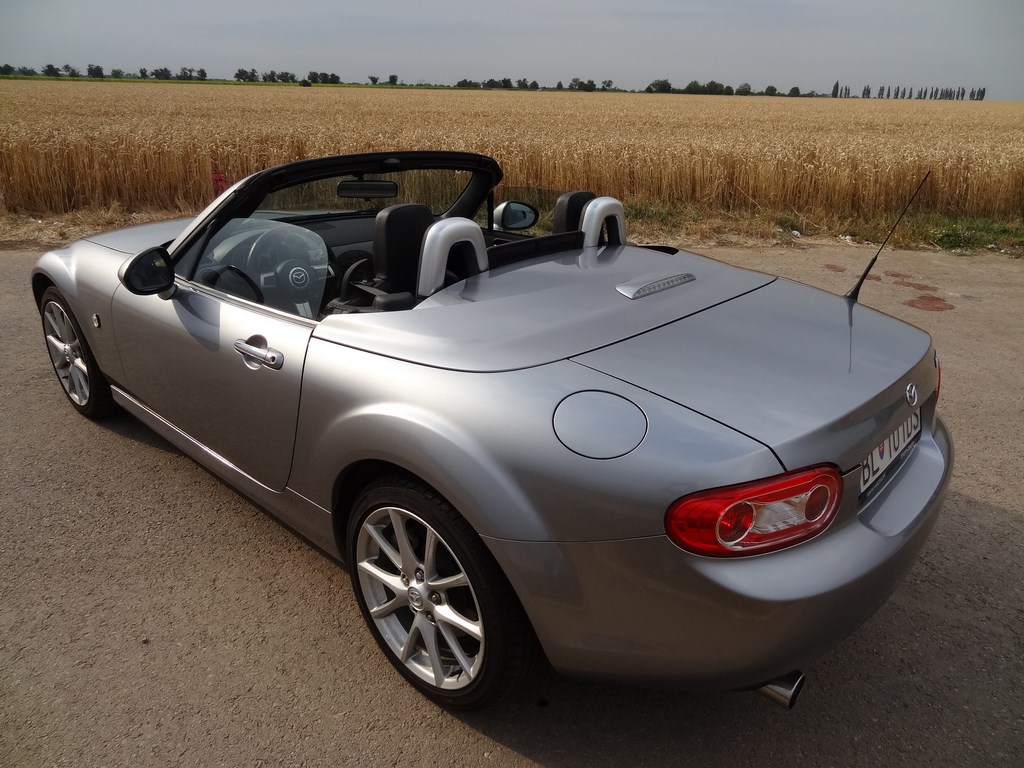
255 356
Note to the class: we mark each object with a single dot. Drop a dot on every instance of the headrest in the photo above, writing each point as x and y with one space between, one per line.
569 210
397 239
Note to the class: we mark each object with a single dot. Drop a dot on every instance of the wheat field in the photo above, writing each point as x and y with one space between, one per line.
67 146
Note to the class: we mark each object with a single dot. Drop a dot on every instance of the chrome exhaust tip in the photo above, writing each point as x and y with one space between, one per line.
784 690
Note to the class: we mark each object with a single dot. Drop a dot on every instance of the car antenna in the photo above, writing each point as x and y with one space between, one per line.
855 293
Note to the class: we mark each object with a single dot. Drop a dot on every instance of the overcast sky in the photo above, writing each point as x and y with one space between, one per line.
807 43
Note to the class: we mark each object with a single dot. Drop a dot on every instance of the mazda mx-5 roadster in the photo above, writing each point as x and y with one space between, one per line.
521 434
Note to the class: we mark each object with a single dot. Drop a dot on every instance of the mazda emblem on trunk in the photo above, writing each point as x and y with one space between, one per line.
911 395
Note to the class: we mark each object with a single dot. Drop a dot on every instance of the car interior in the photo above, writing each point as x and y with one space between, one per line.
328 246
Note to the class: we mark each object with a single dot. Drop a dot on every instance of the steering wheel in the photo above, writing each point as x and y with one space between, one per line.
282 259
359 272
211 276
247 280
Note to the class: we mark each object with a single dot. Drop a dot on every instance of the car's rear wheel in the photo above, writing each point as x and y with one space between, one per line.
433 597
73 362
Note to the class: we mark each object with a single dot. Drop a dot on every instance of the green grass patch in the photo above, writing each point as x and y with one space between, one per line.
949 233
653 212
791 222
916 230
976 234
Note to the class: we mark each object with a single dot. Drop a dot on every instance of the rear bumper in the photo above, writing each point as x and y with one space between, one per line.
644 611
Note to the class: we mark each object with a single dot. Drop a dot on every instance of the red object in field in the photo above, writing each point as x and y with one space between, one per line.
220 182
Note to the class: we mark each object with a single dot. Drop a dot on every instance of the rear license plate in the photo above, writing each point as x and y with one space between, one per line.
890 449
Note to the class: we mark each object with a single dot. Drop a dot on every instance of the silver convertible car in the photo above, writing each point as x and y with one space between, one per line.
520 432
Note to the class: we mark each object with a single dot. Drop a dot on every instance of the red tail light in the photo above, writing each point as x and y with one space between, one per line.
756 517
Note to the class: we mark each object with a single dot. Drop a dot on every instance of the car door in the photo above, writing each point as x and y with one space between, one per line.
219 364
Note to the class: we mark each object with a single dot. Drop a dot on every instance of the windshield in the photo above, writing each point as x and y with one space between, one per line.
437 188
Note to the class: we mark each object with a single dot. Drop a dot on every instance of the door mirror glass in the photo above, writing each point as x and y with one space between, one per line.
515 215
149 272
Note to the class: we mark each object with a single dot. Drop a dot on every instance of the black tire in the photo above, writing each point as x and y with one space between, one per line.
80 377
430 616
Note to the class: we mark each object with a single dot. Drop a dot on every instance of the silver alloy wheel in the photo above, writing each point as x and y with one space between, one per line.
66 353
420 599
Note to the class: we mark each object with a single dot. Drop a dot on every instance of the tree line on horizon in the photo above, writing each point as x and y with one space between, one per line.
95 71
715 88
710 88
902 92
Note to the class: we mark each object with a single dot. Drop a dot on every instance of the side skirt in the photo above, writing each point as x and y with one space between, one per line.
309 520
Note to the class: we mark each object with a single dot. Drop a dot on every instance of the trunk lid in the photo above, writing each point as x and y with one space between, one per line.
802 371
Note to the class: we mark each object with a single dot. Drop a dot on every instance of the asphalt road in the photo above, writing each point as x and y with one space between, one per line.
151 616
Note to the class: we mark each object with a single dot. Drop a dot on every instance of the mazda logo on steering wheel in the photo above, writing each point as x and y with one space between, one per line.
298 277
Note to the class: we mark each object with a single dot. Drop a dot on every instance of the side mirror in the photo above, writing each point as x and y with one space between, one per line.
150 273
514 215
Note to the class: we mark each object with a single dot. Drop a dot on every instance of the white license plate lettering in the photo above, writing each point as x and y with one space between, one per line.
882 457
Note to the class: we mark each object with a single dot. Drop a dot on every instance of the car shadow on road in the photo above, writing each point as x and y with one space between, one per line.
125 425
930 679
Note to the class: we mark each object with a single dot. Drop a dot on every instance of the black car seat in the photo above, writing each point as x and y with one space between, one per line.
569 210
387 281
397 240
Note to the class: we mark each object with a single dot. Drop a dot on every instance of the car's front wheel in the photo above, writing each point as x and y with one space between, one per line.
76 368
433 597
